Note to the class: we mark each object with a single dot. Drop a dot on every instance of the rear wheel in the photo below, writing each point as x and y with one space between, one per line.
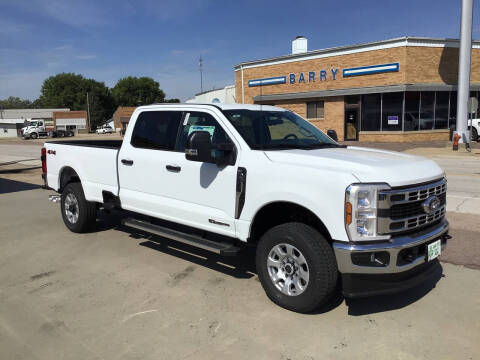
79 215
296 267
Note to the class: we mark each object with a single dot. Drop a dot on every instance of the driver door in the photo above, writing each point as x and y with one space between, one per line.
205 191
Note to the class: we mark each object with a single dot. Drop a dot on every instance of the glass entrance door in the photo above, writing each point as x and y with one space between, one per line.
351 124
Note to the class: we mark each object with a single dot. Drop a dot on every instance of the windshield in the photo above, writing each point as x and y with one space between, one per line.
32 123
266 130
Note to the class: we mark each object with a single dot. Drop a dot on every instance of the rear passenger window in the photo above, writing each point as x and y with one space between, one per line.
156 130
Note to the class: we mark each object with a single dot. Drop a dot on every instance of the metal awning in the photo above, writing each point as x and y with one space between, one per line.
361 91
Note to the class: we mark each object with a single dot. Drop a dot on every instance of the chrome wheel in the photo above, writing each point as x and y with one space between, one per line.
288 269
71 208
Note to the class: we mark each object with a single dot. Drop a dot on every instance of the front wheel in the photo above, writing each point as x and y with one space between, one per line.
474 134
33 136
79 215
296 267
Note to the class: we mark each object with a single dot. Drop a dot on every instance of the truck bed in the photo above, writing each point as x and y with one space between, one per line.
107 144
94 161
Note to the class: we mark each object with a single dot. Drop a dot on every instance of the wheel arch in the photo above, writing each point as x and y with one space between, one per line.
280 212
67 175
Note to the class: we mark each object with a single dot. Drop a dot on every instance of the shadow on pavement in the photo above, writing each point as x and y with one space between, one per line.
16 171
240 267
243 267
377 304
10 186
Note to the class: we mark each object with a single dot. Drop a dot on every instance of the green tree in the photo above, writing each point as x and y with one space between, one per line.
133 91
172 100
14 102
68 90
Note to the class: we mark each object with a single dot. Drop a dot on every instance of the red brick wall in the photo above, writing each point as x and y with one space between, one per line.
70 115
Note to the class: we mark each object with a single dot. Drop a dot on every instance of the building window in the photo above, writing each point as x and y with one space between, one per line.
392 108
412 110
5 130
371 112
452 119
441 110
427 100
315 110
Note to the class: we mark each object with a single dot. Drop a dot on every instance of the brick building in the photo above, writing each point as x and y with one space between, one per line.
76 121
121 117
393 90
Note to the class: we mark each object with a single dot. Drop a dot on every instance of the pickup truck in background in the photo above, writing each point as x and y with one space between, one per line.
474 126
219 177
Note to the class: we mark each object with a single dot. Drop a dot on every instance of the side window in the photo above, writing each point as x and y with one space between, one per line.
198 121
156 130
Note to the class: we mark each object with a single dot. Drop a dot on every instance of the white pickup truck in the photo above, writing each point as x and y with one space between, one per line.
219 177
475 129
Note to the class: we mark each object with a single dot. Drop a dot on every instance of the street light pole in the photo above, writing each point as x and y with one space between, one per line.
88 114
464 62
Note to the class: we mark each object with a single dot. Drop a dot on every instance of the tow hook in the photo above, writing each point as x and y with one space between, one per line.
54 198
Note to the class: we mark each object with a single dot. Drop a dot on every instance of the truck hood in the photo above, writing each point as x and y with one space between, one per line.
366 164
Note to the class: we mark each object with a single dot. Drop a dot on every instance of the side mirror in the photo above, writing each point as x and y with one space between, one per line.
224 154
332 134
199 147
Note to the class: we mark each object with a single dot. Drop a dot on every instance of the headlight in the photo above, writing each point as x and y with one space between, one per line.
361 212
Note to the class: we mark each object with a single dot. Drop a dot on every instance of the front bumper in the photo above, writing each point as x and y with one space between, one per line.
402 262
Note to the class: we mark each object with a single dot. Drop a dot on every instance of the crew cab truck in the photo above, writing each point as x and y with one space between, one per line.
221 176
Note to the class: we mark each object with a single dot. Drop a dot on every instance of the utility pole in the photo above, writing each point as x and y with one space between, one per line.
88 115
464 62
200 66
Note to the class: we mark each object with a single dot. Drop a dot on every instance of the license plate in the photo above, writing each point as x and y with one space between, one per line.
434 250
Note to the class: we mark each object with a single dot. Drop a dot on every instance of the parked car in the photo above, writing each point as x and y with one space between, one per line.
104 130
221 177
61 133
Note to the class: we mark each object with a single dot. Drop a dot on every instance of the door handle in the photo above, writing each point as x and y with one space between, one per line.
174 168
127 162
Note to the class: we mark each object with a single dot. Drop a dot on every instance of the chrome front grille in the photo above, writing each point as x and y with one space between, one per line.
402 209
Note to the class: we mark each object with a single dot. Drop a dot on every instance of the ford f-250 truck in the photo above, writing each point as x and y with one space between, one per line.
220 176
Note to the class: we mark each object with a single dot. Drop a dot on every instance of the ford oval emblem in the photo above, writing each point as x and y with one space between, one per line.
431 205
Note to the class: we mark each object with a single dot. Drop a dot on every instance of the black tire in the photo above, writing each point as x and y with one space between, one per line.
319 256
474 134
86 210
33 136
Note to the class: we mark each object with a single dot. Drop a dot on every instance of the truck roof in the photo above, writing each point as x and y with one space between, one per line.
220 106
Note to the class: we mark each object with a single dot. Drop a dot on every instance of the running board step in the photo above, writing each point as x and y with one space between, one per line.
221 248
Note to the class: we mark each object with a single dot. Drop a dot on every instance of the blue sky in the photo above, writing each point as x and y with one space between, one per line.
107 40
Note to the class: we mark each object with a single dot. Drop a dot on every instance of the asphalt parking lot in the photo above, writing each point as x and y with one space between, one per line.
118 294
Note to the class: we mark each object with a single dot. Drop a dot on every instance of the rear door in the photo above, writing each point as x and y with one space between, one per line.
143 162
